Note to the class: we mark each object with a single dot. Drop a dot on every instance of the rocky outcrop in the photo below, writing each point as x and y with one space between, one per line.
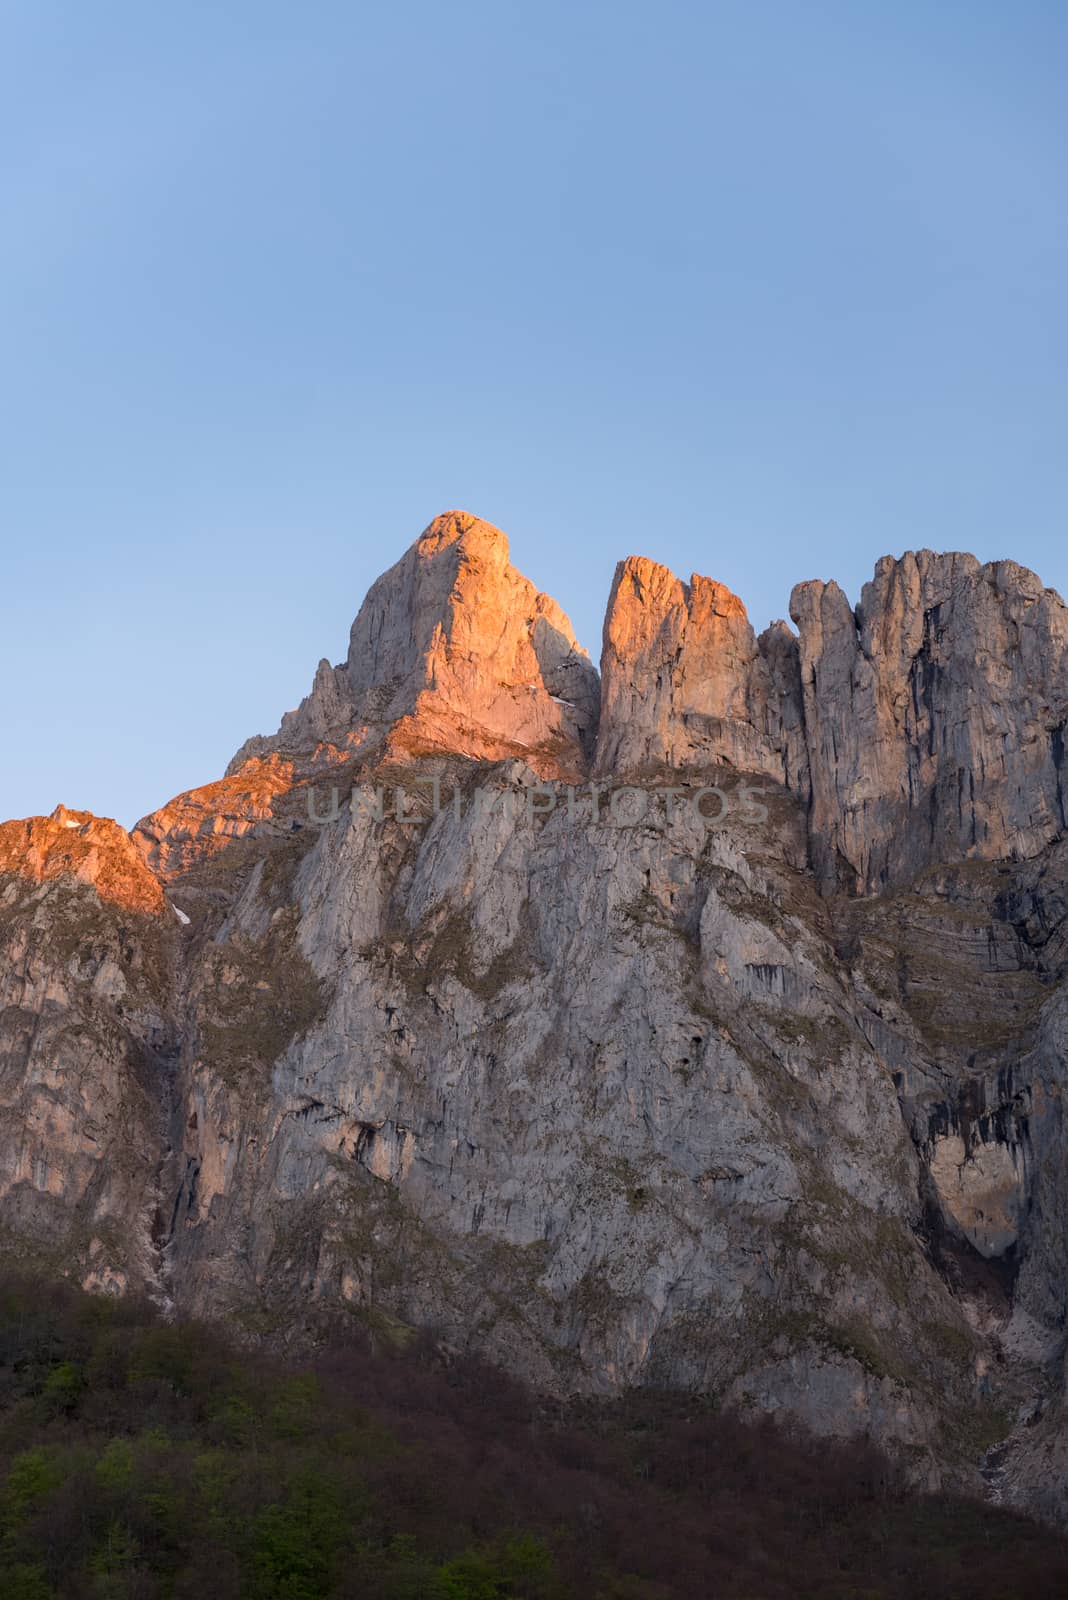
88 850
452 651
687 686
765 1104
201 823
927 726
934 717
87 978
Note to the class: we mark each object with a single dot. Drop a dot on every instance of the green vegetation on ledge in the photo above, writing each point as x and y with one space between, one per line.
141 1460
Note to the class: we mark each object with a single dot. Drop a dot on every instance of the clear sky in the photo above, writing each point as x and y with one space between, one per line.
761 289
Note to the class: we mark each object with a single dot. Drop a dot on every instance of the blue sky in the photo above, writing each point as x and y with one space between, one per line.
763 290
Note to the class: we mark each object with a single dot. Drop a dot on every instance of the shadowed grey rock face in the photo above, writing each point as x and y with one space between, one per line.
769 1107
88 956
934 717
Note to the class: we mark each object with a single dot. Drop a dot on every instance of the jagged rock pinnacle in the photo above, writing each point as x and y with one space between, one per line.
453 651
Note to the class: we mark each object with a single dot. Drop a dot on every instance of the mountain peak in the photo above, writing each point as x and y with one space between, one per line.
78 845
462 527
455 651
685 680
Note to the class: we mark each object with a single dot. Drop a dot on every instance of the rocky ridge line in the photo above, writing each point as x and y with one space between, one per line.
770 1110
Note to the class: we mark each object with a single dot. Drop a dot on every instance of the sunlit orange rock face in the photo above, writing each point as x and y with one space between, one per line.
454 654
201 822
687 684
93 850
453 651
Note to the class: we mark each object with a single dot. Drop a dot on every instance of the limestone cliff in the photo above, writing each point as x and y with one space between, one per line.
687 686
455 651
926 726
935 716
88 947
765 1103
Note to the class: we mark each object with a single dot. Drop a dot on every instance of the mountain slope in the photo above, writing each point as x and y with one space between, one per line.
745 1081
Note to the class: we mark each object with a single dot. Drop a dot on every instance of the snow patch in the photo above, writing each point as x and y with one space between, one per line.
182 918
